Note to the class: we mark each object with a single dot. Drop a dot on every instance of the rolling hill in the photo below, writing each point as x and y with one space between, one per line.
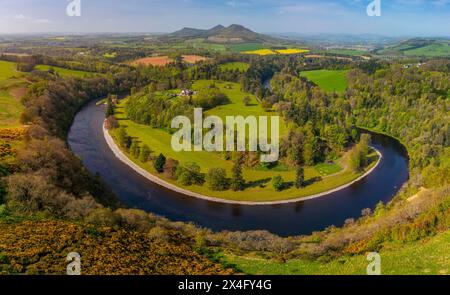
421 47
220 34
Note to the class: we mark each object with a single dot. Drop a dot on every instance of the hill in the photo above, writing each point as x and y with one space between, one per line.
423 47
220 34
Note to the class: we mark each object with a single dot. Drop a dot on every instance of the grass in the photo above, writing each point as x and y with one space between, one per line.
201 44
232 66
259 180
328 80
10 110
65 72
350 52
110 55
246 47
7 70
424 257
433 50
10 107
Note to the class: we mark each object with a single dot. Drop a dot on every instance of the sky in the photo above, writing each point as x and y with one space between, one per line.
398 17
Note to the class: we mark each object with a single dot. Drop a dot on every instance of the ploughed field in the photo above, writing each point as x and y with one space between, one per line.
259 180
161 61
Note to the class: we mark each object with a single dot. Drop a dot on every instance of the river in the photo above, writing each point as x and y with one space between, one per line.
86 140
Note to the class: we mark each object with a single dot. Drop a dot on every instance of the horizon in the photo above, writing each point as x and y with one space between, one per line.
399 18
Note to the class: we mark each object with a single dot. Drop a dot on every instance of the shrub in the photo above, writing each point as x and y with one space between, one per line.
217 179
189 174
144 154
278 183
170 168
159 163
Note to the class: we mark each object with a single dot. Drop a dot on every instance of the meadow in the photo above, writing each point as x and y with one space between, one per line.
350 52
245 47
433 50
259 186
429 257
10 106
64 72
328 80
232 66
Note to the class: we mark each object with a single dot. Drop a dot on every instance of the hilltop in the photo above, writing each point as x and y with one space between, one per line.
220 34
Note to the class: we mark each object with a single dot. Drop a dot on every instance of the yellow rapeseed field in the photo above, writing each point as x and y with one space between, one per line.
292 51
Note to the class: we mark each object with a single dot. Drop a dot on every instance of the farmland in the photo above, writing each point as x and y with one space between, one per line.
246 47
328 80
161 61
232 66
64 72
259 188
276 51
10 90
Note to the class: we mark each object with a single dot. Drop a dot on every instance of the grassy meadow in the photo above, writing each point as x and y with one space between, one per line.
259 186
232 66
328 80
427 257
10 86
64 72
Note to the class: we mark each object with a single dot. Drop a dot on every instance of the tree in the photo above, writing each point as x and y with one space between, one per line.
189 174
358 155
109 107
217 179
278 183
159 163
170 168
111 123
134 148
144 154
237 179
300 177
124 139
246 101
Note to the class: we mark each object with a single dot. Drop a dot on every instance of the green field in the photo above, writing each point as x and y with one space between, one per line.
232 66
10 107
10 110
426 257
350 52
201 44
7 70
328 80
246 47
433 50
64 72
260 186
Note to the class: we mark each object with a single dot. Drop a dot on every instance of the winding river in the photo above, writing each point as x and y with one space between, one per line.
87 141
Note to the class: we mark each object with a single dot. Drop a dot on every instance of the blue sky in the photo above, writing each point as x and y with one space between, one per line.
399 17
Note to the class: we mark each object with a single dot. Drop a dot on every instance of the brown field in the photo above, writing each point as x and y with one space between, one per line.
193 59
158 61
161 61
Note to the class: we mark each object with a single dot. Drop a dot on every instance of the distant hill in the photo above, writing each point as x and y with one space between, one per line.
220 34
422 47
